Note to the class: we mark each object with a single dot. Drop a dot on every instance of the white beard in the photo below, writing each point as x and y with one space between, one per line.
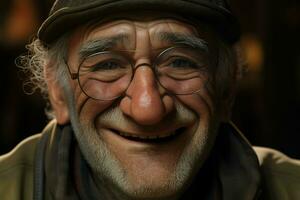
111 176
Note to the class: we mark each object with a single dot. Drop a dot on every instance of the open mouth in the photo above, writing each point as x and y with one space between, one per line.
151 139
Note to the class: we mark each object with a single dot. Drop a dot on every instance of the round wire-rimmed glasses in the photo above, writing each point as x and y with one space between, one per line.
106 75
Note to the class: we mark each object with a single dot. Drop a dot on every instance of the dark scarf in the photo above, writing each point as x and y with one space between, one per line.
231 172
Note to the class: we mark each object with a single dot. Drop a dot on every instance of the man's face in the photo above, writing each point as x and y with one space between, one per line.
116 136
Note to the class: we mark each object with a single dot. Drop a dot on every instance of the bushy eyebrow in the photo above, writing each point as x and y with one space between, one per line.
101 44
183 39
107 43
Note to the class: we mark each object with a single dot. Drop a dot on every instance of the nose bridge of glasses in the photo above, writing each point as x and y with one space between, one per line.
143 64
144 81
146 66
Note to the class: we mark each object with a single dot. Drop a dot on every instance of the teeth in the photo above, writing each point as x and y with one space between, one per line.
152 137
124 134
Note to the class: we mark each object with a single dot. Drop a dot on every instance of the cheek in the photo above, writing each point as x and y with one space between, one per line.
91 109
87 108
200 103
204 131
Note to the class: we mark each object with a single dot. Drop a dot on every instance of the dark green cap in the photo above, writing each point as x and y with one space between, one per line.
66 14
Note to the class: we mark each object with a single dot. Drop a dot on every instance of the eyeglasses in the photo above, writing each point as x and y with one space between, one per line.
106 75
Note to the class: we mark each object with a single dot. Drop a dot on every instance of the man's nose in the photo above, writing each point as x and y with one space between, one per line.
146 102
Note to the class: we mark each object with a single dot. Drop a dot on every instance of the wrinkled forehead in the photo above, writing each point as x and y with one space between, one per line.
135 31
128 30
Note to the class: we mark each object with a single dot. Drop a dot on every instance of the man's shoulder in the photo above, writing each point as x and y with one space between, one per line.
16 170
21 155
280 173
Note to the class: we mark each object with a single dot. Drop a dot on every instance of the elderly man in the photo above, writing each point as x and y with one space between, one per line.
140 93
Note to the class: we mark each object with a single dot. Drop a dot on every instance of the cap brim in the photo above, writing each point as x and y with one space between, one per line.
67 18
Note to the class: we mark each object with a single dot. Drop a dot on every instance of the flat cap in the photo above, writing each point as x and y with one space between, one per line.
67 14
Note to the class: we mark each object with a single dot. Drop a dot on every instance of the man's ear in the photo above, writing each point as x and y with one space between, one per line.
57 98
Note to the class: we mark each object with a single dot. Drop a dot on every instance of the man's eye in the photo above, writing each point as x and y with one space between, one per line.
106 65
183 63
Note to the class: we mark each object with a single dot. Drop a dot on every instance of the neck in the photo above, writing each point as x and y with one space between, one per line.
110 191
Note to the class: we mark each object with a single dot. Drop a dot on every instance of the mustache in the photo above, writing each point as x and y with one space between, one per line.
114 117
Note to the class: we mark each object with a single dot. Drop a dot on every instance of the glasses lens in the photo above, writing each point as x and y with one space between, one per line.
105 75
182 70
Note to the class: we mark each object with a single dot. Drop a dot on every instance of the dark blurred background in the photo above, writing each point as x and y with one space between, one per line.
267 107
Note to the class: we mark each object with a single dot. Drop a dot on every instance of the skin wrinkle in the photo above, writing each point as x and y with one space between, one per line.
208 105
188 40
80 106
139 32
201 97
196 112
90 29
102 44
80 95
114 116
125 27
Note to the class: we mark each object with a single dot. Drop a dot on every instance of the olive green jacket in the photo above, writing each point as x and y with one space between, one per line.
280 174
17 169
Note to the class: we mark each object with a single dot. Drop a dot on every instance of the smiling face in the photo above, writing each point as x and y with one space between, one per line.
148 143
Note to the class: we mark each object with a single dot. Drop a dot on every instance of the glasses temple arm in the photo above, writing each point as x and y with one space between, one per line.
73 75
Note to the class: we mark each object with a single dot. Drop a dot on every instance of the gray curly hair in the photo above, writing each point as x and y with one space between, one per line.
34 62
